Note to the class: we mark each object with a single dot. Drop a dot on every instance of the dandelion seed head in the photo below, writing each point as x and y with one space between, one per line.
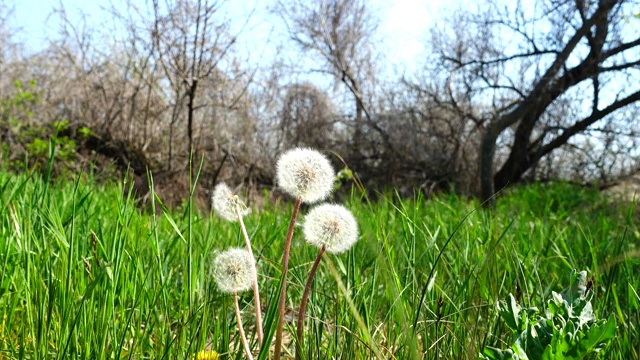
331 226
305 173
226 203
232 270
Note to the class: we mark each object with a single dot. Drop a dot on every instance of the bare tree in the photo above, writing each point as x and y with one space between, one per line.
340 33
543 72
307 118
190 42
435 141
9 48
15 97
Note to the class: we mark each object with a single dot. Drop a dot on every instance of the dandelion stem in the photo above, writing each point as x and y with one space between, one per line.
305 298
243 338
254 275
283 278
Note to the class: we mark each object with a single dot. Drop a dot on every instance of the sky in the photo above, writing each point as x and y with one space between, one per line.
403 27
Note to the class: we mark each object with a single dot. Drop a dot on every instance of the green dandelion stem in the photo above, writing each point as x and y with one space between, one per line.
305 299
285 266
243 338
254 275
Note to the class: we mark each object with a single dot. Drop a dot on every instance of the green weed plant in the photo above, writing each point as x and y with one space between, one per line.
566 329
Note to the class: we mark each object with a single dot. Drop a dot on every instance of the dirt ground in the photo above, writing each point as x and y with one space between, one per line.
627 189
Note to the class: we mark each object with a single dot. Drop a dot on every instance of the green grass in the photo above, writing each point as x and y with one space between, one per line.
85 274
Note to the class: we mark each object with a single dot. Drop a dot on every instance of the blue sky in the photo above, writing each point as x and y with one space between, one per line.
403 29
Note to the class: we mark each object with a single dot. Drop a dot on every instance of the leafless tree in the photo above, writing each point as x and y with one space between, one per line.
191 42
435 142
307 118
8 88
543 73
9 48
340 33
83 80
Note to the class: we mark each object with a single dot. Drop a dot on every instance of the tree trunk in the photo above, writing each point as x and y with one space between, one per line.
358 131
170 157
487 152
190 110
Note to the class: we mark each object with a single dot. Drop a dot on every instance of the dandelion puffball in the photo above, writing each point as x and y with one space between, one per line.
331 226
305 174
226 203
232 270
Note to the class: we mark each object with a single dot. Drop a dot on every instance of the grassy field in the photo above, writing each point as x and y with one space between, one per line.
86 274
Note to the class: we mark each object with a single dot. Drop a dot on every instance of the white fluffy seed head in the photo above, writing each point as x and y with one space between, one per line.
305 173
232 270
331 226
225 203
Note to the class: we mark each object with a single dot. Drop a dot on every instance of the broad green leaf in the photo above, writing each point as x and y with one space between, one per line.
492 353
510 313
597 337
586 315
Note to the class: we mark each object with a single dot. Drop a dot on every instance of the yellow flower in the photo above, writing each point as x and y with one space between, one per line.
207 355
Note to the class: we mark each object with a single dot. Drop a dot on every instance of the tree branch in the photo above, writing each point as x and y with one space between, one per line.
584 124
